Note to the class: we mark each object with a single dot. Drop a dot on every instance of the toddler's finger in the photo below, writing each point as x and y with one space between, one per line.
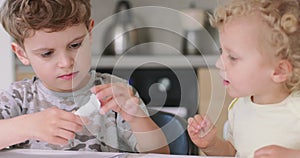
193 130
195 124
190 120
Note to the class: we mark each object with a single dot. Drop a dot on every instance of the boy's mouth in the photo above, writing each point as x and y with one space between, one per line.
68 76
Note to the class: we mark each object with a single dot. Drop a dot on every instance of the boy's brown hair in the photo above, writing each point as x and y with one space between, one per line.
283 17
21 18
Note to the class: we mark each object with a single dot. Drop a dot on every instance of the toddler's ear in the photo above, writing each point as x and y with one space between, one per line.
21 54
282 71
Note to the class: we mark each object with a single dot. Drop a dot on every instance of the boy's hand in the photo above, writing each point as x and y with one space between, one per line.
201 131
120 98
274 151
54 126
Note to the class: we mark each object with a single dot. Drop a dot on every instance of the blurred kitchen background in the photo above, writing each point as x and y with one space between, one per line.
162 21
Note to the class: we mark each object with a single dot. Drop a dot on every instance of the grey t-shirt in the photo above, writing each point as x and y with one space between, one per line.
30 96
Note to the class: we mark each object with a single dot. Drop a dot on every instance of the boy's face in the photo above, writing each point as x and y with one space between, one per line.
246 69
61 59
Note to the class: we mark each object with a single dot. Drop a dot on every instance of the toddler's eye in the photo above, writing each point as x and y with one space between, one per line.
75 45
232 58
220 50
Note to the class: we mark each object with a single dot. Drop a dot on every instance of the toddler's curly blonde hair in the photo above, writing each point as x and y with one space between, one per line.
283 16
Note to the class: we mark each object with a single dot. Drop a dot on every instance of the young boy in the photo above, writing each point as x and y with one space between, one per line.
54 37
260 67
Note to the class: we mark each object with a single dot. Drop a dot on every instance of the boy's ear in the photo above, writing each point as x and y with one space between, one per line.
20 53
90 29
282 71
91 25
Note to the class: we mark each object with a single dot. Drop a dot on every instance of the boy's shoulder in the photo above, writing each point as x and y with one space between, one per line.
23 84
19 90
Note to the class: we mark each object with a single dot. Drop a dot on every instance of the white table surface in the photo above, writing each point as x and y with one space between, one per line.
33 153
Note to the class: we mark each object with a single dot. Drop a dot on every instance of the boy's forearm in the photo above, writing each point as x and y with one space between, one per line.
149 136
13 131
220 148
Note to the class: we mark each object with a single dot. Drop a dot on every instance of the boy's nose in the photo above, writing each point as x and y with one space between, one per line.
65 60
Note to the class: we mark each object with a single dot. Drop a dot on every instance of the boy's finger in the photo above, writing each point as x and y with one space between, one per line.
69 116
114 104
59 141
65 134
100 87
70 126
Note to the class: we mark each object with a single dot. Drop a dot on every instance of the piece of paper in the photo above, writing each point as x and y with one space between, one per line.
90 107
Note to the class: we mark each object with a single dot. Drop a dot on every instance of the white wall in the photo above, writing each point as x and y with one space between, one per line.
7 67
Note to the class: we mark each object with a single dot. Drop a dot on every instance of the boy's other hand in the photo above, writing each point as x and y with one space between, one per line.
201 131
54 126
120 98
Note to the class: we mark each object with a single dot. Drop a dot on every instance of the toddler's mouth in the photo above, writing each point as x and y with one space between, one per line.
226 82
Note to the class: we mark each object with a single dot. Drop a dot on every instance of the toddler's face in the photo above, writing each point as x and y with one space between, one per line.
245 69
60 59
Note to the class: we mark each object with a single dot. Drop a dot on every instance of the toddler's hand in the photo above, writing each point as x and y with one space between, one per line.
120 98
201 131
275 151
54 126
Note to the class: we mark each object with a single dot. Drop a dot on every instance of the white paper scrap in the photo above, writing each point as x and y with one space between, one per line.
91 106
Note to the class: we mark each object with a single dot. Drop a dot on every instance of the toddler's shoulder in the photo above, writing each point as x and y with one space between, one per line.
293 103
233 103
239 103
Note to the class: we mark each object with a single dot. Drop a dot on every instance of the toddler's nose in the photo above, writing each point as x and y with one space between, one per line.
219 64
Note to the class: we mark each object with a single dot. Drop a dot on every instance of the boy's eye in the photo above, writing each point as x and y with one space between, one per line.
75 45
47 54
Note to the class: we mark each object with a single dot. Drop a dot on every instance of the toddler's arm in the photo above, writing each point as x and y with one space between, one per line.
274 151
52 125
203 134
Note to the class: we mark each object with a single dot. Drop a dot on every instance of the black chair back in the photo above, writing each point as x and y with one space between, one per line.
175 130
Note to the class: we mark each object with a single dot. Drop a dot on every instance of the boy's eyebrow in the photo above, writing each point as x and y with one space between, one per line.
80 37
45 49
